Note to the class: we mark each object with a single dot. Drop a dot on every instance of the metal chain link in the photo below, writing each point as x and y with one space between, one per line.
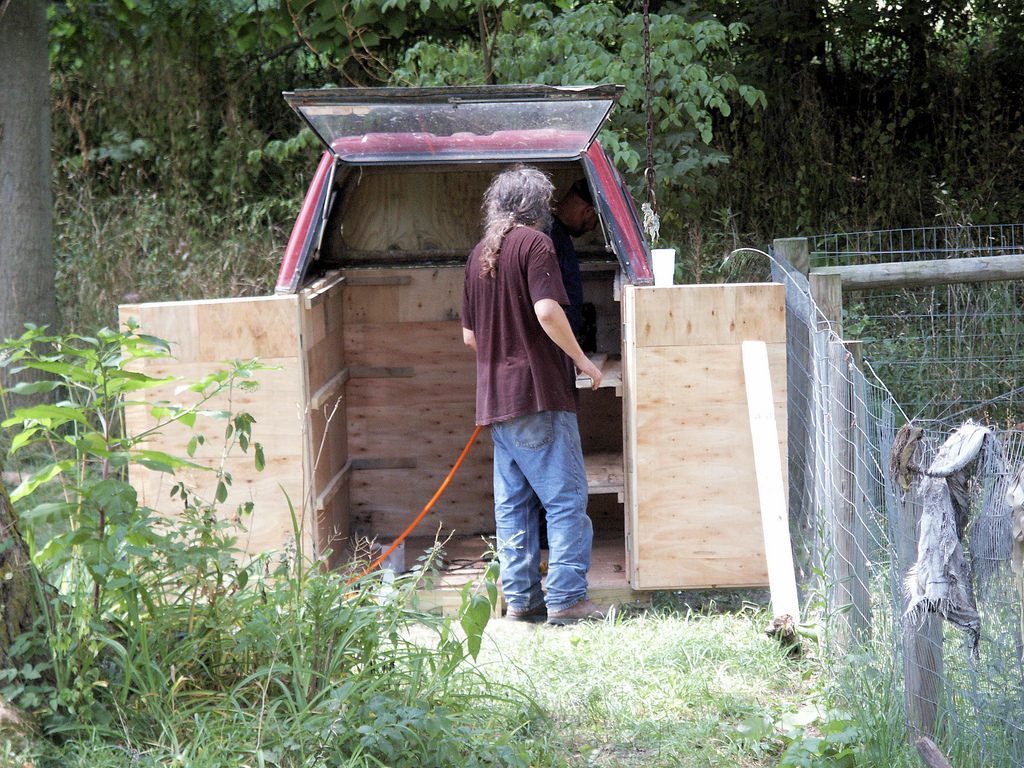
649 171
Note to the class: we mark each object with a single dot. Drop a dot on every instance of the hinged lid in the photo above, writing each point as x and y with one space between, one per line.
457 123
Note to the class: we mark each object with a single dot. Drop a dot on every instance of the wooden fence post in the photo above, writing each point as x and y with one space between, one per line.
848 590
922 644
800 402
796 250
845 401
827 292
852 534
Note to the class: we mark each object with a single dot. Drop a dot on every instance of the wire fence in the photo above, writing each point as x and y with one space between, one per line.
879 501
948 352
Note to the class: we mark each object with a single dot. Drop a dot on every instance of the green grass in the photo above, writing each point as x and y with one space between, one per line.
658 688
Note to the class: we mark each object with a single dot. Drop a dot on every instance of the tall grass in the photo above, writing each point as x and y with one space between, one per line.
149 246
166 645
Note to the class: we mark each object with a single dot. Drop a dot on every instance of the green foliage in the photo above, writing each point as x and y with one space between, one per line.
599 42
834 741
166 644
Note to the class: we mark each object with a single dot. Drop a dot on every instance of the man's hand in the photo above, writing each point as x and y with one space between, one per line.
588 368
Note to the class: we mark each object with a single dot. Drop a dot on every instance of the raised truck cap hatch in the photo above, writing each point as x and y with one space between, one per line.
455 123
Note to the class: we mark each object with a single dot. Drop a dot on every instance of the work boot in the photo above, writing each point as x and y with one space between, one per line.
584 610
535 614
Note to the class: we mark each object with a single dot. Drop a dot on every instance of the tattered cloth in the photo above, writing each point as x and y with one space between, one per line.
941 580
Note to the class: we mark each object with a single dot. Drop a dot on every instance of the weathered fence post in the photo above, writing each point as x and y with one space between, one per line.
856 532
800 402
849 589
796 250
849 593
827 292
922 644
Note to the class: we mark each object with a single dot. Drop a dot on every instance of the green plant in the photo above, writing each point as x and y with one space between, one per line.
820 738
80 516
166 644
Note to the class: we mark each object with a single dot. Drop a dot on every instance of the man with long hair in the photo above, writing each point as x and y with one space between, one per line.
512 317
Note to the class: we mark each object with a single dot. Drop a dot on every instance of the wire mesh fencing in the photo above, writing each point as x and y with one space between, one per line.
903 539
947 351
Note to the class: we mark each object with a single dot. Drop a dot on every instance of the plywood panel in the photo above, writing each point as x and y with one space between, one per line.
333 524
325 432
267 529
418 344
433 208
421 390
204 333
437 431
385 501
421 295
247 328
276 405
693 509
175 322
709 314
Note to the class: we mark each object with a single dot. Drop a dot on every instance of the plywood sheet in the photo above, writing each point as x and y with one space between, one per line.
423 295
709 314
693 516
433 208
276 405
267 529
222 329
203 334
325 428
385 501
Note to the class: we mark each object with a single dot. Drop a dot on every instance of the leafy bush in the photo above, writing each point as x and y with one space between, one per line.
166 644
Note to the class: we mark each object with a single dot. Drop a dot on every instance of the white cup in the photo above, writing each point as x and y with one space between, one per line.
664 265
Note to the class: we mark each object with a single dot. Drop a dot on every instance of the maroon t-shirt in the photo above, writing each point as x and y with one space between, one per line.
519 369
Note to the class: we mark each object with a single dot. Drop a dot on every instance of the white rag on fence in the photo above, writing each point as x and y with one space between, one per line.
941 581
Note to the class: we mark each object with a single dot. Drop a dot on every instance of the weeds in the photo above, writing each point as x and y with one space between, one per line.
166 646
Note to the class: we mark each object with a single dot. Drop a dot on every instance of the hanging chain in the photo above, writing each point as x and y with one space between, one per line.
649 208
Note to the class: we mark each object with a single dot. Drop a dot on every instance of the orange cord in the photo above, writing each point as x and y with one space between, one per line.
426 509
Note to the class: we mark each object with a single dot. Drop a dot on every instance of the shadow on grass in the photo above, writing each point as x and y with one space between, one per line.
708 602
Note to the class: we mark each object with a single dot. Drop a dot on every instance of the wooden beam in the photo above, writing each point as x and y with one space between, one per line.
604 473
375 280
930 754
399 463
908 274
923 661
332 487
770 488
327 391
320 289
380 372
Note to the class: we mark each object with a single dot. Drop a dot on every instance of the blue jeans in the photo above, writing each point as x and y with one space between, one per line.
538 467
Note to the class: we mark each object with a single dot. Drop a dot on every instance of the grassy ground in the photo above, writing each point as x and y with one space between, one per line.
671 686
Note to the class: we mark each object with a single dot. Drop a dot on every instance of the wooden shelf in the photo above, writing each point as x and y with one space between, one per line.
611 372
604 473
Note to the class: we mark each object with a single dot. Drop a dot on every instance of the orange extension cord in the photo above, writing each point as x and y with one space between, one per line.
422 514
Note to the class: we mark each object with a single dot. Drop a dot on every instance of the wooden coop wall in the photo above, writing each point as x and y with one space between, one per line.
203 334
411 403
394 215
694 514
326 427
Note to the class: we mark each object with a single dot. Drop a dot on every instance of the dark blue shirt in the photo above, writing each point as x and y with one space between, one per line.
569 265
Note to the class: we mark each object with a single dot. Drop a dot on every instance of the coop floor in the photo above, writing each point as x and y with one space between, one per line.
463 562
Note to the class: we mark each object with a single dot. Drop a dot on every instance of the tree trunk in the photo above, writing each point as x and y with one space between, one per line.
26 206
20 596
